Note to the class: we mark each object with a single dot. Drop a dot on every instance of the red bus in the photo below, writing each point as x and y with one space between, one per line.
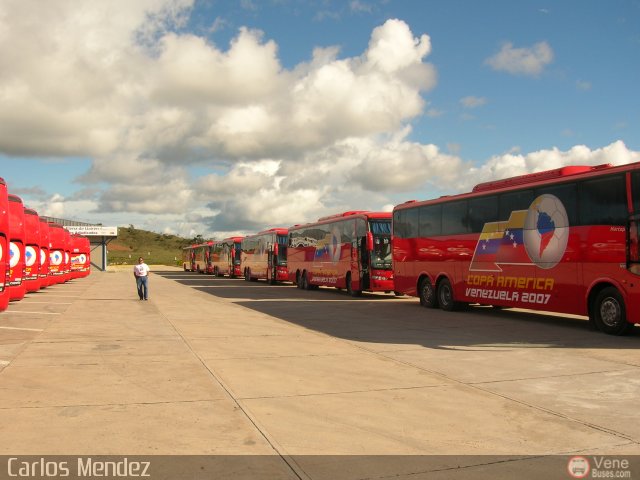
17 234
45 279
32 250
226 256
201 258
350 250
4 246
80 256
564 240
189 259
57 240
264 255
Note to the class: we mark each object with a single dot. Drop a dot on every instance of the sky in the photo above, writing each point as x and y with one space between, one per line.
213 118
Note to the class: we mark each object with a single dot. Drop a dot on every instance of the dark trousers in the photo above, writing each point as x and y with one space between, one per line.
143 287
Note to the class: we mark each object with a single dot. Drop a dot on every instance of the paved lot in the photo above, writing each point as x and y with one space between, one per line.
212 366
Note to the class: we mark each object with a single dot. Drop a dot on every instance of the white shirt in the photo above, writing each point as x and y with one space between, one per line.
141 270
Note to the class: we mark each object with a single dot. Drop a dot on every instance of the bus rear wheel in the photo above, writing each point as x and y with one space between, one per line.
427 294
445 295
609 312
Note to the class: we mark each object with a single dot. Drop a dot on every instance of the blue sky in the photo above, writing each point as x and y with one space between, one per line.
214 117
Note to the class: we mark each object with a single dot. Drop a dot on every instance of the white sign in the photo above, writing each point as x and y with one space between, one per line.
94 230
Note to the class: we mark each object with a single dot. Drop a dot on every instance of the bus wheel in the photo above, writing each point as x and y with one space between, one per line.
350 290
305 281
247 275
427 294
609 312
445 295
298 280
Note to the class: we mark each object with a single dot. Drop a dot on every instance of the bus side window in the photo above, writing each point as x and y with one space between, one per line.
482 210
430 221
513 201
603 201
567 194
455 218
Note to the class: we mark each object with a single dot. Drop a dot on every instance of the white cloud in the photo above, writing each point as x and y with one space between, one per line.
522 61
583 85
473 102
510 165
155 108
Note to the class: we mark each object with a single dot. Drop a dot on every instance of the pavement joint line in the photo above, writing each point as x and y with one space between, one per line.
22 328
577 374
113 404
347 392
297 469
11 312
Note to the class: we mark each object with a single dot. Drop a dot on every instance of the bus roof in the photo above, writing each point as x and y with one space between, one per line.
535 179
538 177
345 215
277 230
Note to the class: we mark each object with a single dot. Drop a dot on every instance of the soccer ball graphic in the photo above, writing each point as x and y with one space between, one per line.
546 231
30 256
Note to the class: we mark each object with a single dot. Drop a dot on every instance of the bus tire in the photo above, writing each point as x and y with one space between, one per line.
350 290
298 280
445 295
609 312
305 281
427 294
247 274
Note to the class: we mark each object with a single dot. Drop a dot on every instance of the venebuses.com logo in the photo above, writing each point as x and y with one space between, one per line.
578 467
599 467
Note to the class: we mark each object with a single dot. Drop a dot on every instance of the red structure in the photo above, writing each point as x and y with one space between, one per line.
32 250
226 257
350 250
57 239
264 255
564 240
45 245
17 235
4 246
80 256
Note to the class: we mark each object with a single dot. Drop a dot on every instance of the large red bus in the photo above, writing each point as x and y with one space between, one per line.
32 250
189 258
201 260
564 240
264 255
4 246
350 250
80 256
226 257
45 243
57 250
17 234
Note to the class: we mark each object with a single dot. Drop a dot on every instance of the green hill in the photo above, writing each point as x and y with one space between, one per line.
155 248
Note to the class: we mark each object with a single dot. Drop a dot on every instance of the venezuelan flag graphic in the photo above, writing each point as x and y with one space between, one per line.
486 253
512 249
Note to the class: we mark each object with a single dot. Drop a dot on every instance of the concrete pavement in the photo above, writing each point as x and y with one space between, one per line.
231 368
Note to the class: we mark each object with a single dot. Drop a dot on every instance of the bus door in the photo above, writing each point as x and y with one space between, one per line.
366 245
356 270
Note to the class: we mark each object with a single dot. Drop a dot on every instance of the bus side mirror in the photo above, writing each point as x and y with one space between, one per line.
275 249
370 241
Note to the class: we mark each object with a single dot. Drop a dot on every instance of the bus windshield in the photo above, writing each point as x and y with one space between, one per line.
381 255
282 240
238 253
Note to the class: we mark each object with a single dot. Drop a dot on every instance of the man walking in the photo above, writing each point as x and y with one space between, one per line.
141 272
